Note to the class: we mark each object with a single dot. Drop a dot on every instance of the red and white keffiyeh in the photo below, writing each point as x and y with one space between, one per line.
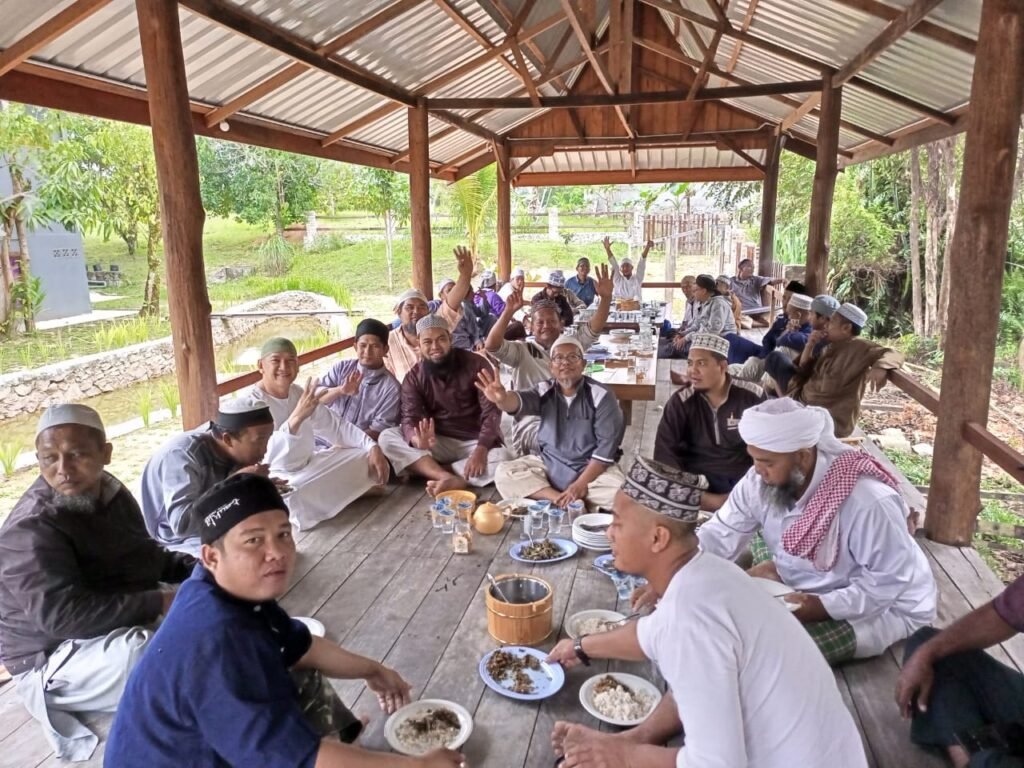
812 536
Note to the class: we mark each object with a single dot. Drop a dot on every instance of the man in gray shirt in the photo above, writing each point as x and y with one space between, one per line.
191 463
747 287
580 434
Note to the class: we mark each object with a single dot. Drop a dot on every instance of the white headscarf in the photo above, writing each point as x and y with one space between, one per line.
785 426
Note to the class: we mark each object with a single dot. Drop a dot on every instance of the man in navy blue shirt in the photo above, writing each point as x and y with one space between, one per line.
219 687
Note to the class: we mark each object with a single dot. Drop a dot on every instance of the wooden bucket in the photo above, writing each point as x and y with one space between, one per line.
527 620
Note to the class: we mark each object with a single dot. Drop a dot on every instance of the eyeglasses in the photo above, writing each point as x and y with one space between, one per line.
566 359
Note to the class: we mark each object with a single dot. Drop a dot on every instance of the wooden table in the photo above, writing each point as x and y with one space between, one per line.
631 320
625 384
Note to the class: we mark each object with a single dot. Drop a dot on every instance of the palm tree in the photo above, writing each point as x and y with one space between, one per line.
472 203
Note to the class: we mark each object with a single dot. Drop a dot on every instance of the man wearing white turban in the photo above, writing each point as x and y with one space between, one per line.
403 344
834 526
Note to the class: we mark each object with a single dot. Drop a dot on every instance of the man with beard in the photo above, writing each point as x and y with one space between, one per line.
232 679
189 464
327 461
530 360
580 434
628 284
554 293
445 420
403 344
79 582
834 529
699 429
363 391
743 680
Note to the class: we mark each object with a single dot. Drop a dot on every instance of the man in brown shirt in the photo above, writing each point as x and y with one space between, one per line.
79 581
446 421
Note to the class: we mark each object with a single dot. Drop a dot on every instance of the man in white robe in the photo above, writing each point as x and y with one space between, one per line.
327 461
629 283
836 532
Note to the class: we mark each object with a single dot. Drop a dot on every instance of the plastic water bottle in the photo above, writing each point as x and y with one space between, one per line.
576 508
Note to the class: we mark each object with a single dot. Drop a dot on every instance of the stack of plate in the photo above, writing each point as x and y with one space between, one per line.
590 531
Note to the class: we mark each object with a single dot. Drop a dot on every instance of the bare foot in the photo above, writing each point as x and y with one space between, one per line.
446 483
377 490
709 502
561 731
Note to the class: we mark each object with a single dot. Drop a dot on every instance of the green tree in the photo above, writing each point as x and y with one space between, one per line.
385 194
473 204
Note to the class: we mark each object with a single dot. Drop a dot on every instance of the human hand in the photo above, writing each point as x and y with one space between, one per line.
351 385
514 302
476 464
464 261
877 378
915 683
441 758
647 248
254 469
605 284
425 439
679 340
582 747
307 404
281 484
811 608
489 383
564 653
379 467
392 691
643 597
607 243
816 337
576 490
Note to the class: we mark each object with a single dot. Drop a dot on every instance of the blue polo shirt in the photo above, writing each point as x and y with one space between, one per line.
585 292
213 688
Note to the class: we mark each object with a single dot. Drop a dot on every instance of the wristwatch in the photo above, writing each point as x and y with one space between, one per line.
580 653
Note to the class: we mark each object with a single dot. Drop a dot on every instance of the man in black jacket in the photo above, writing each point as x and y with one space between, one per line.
79 581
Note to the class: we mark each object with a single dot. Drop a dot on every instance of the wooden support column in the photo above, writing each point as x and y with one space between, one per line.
504 213
978 249
820 225
419 202
181 209
769 199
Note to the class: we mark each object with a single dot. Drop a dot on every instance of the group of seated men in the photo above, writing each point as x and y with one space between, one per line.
85 572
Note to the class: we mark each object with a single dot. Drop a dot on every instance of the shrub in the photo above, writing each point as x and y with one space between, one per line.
171 397
9 453
144 399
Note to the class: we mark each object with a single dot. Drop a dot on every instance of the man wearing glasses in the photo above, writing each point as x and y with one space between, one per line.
581 429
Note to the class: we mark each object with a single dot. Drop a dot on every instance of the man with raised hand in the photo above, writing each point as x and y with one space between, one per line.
628 283
80 582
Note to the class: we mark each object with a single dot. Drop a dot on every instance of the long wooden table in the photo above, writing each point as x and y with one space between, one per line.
628 386
631 319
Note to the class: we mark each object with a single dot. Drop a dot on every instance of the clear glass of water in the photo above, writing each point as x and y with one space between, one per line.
576 508
533 525
464 509
624 586
556 517
447 516
436 510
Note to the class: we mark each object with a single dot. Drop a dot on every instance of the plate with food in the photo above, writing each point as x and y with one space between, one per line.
428 724
592 622
515 507
541 551
521 673
619 699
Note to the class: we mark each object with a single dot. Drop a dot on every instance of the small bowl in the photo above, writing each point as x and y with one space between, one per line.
415 708
633 682
597 613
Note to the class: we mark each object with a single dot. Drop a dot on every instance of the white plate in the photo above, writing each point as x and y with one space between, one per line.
417 708
596 613
779 591
633 682
316 628
506 504
592 547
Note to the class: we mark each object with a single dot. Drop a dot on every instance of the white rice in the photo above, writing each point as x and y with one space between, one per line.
421 743
593 626
619 705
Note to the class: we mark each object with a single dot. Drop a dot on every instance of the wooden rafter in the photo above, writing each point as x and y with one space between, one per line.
48 31
927 29
446 78
524 75
470 29
515 24
719 11
803 60
740 152
748 19
643 176
702 73
523 166
292 71
583 35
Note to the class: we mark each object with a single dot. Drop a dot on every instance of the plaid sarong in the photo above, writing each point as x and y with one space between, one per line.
835 639
322 708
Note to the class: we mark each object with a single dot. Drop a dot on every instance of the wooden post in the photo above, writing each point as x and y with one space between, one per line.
504 213
824 186
976 260
181 208
769 198
419 200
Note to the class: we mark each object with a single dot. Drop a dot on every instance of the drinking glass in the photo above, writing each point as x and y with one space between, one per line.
447 520
556 517
533 525
465 508
576 508
436 511
624 586
631 366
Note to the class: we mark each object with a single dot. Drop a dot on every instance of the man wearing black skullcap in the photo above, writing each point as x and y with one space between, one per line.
231 679
363 391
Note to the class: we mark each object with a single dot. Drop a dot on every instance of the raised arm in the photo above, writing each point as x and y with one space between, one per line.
607 243
604 287
459 291
496 336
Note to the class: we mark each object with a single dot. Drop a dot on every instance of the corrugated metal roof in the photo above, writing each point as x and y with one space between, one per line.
424 42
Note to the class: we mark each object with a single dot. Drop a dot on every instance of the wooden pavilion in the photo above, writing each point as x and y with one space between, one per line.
564 92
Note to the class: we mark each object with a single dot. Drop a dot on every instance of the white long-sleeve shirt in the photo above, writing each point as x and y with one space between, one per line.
627 287
881 582
750 687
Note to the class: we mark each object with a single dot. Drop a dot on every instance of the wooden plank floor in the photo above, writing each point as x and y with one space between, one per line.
386 585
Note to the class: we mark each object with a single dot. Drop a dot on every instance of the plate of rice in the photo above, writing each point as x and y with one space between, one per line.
428 724
619 699
592 622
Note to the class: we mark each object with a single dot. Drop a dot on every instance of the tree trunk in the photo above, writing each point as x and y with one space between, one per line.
18 188
948 147
6 282
915 241
1018 177
279 201
131 241
151 294
389 218
933 206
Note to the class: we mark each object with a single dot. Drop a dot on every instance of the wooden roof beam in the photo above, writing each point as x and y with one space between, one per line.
523 166
748 19
927 29
256 29
524 75
583 35
292 71
47 32
741 153
644 176
798 58
470 29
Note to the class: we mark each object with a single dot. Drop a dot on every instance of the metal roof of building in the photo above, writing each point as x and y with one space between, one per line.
428 42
